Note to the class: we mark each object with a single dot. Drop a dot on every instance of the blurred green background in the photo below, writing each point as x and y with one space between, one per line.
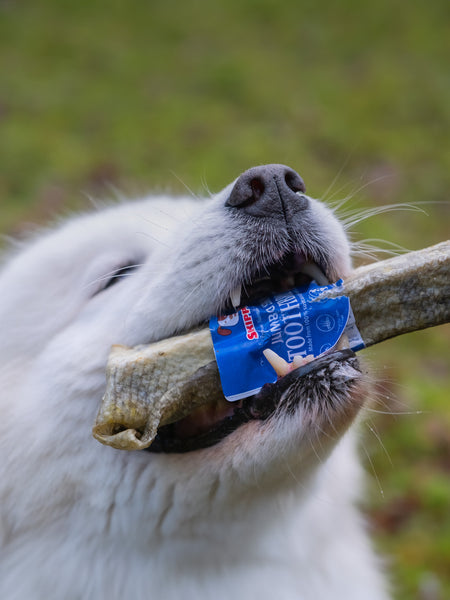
170 95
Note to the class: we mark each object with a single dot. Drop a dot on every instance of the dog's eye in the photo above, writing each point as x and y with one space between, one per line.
118 275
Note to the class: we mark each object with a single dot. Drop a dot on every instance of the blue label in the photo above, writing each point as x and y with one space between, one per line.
294 323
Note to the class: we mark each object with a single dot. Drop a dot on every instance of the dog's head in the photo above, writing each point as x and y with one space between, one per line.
135 273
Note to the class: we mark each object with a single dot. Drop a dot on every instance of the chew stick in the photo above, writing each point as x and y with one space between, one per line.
154 385
402 294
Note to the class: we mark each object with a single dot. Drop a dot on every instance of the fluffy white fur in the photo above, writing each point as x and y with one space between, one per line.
267 513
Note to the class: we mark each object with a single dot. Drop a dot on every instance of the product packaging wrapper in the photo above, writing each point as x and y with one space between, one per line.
294 323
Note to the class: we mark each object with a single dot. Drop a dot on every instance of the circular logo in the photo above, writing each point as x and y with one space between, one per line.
325 323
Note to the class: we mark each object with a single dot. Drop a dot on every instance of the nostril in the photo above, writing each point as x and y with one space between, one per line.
294 181
258 187
249 188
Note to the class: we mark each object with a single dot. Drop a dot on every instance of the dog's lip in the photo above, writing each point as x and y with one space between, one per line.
259 407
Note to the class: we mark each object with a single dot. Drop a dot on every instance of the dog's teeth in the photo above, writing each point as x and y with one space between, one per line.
300 361
280 366
235 296
313 270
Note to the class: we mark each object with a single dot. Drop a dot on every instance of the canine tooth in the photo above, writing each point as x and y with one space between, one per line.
315 272
235 296
280 366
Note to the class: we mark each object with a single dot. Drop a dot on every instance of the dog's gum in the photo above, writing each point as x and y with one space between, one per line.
154 385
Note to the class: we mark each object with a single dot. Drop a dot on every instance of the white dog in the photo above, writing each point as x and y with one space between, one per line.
257 509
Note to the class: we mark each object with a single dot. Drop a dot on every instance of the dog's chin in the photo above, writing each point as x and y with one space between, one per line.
317 401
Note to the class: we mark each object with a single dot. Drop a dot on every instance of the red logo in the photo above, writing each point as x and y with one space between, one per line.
252 334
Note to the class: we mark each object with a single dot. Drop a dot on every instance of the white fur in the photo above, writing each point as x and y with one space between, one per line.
267 513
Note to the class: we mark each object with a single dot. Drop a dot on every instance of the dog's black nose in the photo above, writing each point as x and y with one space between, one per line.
267 189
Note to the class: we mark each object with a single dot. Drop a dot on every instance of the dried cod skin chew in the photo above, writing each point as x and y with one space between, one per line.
150 386
402 294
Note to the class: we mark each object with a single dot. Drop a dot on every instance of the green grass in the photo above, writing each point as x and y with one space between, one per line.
168 94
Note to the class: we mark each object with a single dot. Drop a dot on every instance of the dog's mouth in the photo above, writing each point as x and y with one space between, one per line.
294 269
211 423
